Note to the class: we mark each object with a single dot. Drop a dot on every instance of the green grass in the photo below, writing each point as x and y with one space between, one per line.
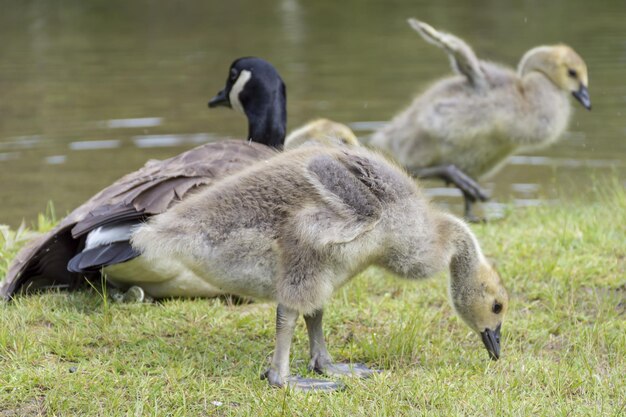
564 340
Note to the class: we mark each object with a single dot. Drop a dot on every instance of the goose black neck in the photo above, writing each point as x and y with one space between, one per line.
268 124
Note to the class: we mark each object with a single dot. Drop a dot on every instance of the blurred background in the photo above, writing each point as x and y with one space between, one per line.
90 90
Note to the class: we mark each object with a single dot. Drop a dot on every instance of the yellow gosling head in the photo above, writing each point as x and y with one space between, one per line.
563 66
482 302
476 290
322 132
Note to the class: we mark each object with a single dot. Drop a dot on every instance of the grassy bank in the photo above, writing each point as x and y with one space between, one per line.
564 341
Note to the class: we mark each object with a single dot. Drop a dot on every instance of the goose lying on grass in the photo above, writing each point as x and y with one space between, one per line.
95 235
465 126
294 229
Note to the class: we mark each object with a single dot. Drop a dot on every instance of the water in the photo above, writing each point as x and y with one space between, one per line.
91 90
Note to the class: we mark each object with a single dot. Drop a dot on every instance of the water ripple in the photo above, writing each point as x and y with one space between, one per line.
132 123
55 159
159 141
94 144
565 162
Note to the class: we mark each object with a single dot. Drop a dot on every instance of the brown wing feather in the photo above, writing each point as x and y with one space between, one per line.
148 191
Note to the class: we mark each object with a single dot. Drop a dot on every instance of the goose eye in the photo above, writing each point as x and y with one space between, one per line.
233 74
497 307
572 73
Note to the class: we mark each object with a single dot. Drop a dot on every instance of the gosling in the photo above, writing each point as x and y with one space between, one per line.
465 126
322 132
298 227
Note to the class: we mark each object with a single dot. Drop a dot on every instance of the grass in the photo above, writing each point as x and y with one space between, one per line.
564 340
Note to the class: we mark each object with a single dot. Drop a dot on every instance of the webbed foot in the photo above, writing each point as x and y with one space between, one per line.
134 294
311 384
469 215
472 218
354 370
299 383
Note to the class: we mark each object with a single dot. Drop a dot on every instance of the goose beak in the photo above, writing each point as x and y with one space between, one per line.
582 95
221 99
491 340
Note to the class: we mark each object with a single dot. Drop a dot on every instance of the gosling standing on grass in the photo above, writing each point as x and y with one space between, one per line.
464 127
295 228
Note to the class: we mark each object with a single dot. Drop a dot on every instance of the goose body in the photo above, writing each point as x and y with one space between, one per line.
465 126
298 227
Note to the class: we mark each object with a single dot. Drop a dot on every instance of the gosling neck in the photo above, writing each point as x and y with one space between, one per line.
267 122
466 258
538 61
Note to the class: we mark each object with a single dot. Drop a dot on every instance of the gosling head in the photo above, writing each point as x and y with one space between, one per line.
322 132
482 301
563 66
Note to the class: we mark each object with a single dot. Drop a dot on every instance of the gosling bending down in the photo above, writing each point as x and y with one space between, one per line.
296 228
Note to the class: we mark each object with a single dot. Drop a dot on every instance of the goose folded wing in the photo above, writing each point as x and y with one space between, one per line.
149 191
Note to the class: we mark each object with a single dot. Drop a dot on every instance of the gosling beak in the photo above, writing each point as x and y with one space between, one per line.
221 99
491 340
582 95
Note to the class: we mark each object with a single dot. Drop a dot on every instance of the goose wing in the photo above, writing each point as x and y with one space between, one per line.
148 191
462 57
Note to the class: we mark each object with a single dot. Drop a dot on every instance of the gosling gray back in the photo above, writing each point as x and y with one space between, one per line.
294 228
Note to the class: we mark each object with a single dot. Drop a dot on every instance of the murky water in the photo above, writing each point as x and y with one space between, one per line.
91 90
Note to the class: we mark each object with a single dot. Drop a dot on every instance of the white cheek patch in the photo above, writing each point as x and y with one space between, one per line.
237 88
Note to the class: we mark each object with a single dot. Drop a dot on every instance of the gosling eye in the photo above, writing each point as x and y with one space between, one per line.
572 73
497 308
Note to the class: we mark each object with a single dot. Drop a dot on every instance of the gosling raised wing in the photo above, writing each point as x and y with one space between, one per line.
462 57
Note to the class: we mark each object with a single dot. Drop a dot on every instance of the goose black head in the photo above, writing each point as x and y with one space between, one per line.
255 88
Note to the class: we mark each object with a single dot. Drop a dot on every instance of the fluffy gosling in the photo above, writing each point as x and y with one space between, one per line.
296 228
465 126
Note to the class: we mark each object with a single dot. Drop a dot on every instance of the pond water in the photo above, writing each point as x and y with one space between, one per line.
91 90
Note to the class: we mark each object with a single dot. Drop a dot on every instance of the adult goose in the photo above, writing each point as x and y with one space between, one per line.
294 229
95 235
465 126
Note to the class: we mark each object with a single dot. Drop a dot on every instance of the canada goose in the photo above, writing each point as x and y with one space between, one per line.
96 234
465 126
294 229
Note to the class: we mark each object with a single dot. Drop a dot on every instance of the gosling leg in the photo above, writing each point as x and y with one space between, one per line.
468 213
278 373
452 174
471 190
321 361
